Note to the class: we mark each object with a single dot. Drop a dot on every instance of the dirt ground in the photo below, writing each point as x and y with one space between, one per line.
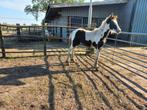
43 83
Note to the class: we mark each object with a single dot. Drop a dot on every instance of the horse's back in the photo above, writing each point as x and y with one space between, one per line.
80 38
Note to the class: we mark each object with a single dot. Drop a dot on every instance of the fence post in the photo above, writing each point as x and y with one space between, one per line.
2 44
18 31
53 31
29 30
115 46
61 34
44 37
56 31
34 29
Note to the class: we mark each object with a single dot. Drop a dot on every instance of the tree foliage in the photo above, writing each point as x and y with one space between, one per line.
42 5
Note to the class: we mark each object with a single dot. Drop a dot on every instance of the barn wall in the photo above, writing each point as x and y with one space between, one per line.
132 16
76 11
140 21
125 18
124 11
126 15
101 11
60 21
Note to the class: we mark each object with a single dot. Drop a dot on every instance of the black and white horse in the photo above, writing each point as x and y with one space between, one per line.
96 38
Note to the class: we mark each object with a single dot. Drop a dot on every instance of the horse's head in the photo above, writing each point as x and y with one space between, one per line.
113 24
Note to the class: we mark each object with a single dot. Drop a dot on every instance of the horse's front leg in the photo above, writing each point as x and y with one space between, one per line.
72 55
96 60
69 55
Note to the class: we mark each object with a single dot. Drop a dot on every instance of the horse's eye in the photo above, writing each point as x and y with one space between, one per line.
115 27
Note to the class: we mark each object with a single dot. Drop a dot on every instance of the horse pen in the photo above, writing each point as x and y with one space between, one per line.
34 75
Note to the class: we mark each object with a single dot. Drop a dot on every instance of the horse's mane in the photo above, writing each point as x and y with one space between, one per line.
102 24
100 27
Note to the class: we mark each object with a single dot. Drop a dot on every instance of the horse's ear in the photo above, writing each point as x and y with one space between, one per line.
112 14
114 17
109 18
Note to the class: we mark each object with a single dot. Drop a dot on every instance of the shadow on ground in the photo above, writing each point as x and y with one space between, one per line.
108 77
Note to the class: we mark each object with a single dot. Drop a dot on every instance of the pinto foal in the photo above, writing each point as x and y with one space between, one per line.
96 38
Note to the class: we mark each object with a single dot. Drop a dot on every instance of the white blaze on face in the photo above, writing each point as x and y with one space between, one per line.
106 27
116 23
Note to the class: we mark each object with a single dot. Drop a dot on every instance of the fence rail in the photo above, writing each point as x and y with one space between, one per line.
20 34
134 33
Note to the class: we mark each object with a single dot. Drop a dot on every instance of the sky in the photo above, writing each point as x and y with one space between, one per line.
12 12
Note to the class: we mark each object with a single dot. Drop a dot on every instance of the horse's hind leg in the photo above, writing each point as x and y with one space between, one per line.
69 54
72 55
96 60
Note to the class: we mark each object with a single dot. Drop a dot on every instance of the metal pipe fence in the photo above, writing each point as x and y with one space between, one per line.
128 56
33 39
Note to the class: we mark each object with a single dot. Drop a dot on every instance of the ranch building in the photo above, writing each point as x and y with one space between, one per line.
132 16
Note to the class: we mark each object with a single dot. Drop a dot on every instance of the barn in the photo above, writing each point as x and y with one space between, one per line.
132 15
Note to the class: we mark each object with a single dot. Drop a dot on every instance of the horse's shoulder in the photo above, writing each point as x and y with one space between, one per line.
82 29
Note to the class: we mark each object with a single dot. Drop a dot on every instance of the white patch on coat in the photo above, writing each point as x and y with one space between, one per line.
93 36
97 34
118 28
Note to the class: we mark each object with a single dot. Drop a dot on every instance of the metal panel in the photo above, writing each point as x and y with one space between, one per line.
97 3
140 21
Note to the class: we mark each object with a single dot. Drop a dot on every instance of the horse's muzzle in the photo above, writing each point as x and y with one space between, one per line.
118 31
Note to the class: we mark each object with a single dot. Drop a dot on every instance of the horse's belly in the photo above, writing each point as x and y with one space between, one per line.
87 43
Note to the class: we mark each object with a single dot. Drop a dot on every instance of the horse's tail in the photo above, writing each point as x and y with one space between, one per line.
69 39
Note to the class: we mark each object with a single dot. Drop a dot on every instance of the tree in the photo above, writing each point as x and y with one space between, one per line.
42 5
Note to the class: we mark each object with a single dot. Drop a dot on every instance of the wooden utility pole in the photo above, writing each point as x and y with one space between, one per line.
90 50
18 31
90 15
61 36
2 43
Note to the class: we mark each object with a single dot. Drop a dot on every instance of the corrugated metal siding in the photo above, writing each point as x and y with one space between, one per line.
83 11
123 11
63 21
125 15
140 21
98 11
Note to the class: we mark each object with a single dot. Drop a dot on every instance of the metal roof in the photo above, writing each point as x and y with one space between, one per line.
104 2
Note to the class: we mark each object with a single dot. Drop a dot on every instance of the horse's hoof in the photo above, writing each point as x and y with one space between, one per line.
66 61
72 60
95 68
66 64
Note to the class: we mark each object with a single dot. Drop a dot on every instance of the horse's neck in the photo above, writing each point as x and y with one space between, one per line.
102 29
